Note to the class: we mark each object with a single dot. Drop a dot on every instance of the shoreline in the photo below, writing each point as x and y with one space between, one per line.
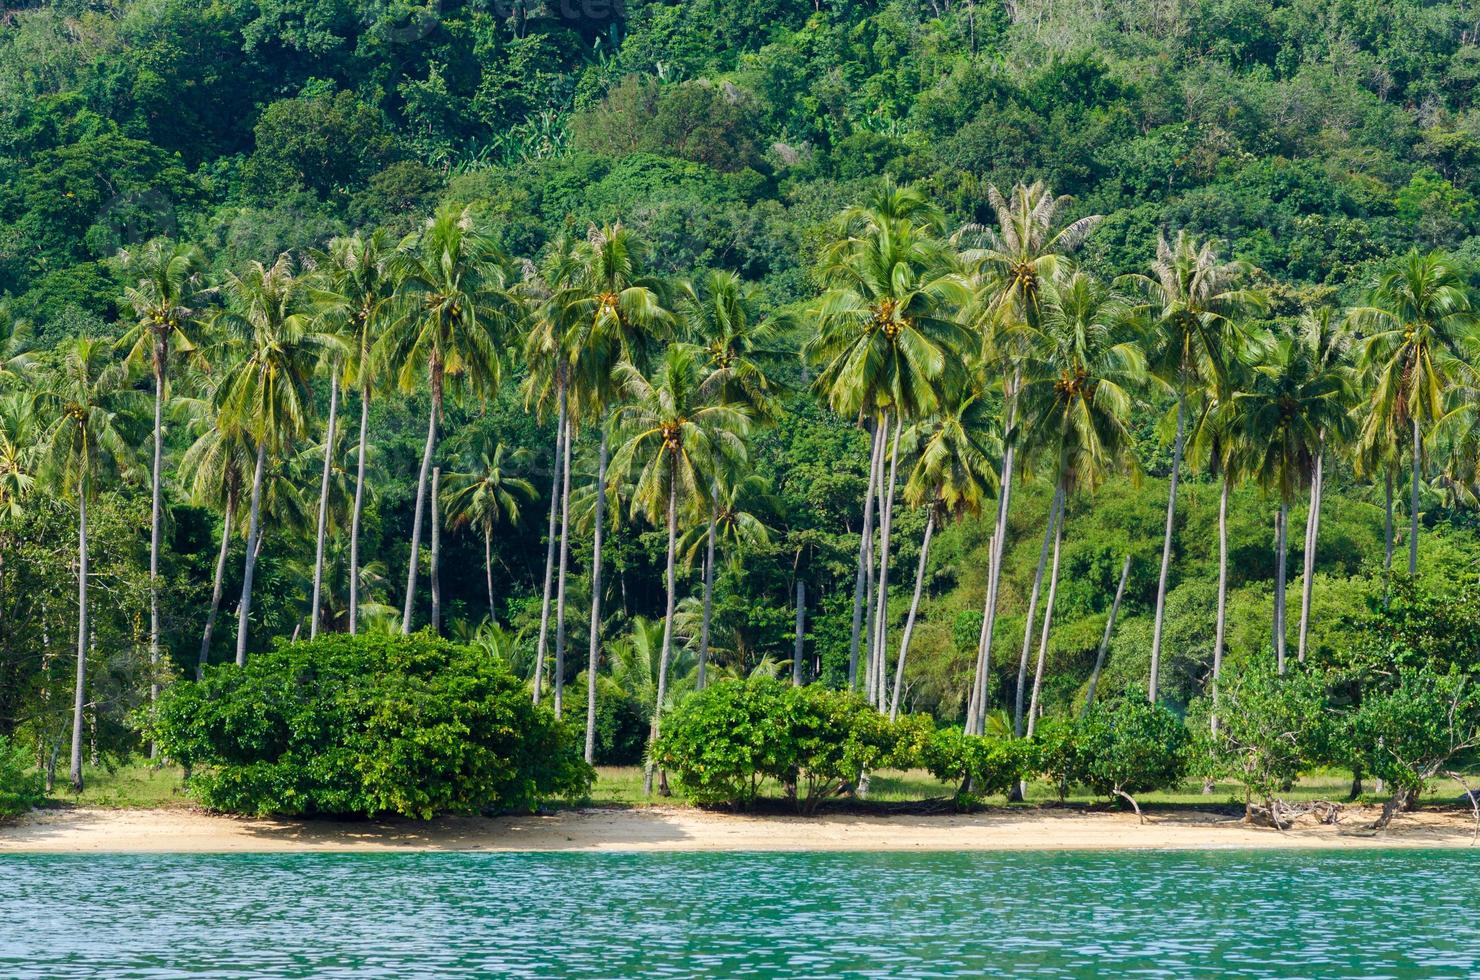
79 830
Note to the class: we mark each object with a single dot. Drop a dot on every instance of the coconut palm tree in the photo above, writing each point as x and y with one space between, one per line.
87 406
18 423
486 496
1079 381
1416 325
166 298
1007 267
267 397
674 440
455 308
1196 303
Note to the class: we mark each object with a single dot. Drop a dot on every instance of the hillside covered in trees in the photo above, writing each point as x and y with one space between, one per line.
1230 240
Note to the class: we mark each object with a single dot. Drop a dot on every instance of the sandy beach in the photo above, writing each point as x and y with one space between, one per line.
82 830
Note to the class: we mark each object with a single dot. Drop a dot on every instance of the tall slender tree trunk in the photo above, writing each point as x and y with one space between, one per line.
1387 558
983 663
1282 517
1094 677
801 633
1053 591
1413 501
1220 630
551 544
254 537
155 493
423 478
323 525
667 651
488 566
708 589
865 540
354 526
559 684
593 653
881 617
216 587
977 723
1312 535
1166 549
79 700
1022 678
909 623
436 533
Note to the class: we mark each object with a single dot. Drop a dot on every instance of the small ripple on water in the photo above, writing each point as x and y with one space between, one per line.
936 915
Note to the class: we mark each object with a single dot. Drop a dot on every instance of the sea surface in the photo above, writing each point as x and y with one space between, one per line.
1067 914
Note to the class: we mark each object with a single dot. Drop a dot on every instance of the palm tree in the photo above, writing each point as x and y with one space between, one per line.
17 458
85 441
169 289
486 496
1291 402
1078 383
1416 322
1195 303
674 441
1008 266
455 307
267 398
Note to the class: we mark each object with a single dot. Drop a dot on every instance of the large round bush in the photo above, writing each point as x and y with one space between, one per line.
365 725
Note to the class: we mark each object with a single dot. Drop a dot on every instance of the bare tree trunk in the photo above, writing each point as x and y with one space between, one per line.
1053 591
436 532
1387 558
1022 679
550 546
881 617
667 653
318 559
1281 520
354 526
1312 534
79 701
488 566
593 653
254 537
1094 678
1220 630
909 623
865 541
976 724
205 641
1166 549
796 656
559 680
417 516
708 589
156 482
1413 502
978 687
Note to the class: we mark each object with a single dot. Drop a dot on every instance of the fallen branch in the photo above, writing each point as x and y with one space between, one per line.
1474 804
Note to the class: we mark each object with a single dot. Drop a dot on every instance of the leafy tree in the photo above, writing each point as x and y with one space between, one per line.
1128 746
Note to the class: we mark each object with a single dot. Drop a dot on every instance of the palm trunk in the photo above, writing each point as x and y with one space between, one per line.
1094 677
1281 519
1166 550
865 541
1312 533
881 616
421 502
1220 631
593 654
488 566
977 723
551 543
1413 502
909 623
559 680
1022 678
436 533
318 560
796 655
1053 591
667 651
354 526
79 700
1387 558
708 590
205 640
254 534
156 481
978 687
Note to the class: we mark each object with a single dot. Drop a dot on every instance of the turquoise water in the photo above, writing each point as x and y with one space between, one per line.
1143 914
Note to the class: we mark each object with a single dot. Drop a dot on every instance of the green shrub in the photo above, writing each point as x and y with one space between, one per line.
1127 746
368 724
832 738
621 723
20 783
978 765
